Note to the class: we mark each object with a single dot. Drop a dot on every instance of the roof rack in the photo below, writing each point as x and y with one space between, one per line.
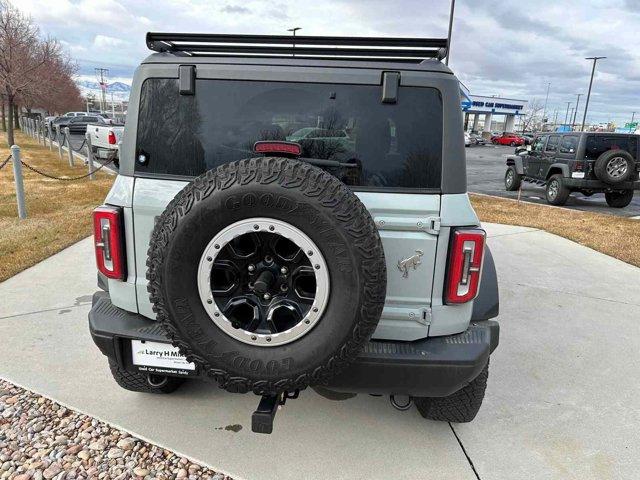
412 50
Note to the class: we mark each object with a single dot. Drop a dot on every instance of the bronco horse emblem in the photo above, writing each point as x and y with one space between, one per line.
412 261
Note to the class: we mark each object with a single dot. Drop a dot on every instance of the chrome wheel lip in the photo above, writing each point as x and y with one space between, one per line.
308 247
617 167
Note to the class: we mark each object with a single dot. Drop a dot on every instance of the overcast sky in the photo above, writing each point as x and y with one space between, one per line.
508 48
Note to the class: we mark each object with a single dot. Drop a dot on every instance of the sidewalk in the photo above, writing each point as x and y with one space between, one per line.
561 401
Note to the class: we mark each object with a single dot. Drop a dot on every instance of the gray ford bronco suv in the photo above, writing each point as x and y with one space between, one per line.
291 216
585 162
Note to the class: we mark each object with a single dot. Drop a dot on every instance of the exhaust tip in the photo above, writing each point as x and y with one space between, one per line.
157 381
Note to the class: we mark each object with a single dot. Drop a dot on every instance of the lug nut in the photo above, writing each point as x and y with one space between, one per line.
284 287
284 270
266 296
251 268
268 260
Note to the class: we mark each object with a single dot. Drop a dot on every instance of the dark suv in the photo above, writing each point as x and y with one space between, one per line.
584 162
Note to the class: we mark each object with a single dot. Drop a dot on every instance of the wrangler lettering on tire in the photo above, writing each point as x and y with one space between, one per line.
269 273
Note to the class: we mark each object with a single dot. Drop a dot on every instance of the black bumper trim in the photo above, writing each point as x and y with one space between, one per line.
433 367
589 184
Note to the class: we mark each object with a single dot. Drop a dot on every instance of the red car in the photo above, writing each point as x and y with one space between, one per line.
508 139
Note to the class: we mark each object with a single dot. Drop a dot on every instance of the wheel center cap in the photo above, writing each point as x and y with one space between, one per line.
263 282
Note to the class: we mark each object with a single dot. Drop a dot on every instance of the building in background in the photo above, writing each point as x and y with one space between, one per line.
487 114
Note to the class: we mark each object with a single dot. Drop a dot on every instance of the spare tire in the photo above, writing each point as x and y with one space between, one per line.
614 166
268 273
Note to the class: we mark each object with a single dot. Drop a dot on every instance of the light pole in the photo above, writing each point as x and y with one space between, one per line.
593 71
453 7
573 122
571 116
566 116
544 111
294 30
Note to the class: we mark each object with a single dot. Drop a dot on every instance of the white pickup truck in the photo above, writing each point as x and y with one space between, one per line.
105 139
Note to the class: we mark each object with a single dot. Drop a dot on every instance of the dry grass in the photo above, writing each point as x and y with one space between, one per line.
609 234
58 213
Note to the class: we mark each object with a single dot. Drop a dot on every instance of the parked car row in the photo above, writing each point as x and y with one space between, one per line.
471 139
78 121
105 131
508 138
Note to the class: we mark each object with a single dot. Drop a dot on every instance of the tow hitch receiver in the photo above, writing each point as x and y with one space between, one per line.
262 418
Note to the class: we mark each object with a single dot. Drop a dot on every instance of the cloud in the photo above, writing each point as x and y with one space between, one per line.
499 46
235 9
104 41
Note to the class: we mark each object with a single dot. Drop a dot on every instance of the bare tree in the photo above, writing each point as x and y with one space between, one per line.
24 58
59 92
532 116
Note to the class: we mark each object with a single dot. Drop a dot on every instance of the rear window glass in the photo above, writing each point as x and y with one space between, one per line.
569 144
394 145
538 143
552 144
598 144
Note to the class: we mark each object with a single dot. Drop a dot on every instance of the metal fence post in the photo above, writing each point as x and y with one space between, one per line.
67 137
87 135
17 175
59 141
50 133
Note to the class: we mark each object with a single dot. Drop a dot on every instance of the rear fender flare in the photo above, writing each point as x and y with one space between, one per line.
487 303
558 168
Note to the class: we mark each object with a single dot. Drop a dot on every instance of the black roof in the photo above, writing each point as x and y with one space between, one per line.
394 49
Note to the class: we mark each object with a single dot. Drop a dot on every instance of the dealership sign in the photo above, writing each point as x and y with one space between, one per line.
497 105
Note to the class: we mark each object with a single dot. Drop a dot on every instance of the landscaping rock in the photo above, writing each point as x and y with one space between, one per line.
41 440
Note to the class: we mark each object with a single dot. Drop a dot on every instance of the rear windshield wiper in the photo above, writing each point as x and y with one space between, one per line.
319 162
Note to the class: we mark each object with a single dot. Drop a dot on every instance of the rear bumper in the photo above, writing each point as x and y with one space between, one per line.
588 184
432 367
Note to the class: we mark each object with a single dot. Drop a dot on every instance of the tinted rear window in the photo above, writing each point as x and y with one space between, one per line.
598 144
396 145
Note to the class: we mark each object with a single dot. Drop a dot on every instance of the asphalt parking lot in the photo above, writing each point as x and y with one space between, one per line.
485 174
561 403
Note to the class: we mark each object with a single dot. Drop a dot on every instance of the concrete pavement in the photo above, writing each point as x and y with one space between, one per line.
562 401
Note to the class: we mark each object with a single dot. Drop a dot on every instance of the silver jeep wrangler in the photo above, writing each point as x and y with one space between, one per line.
292 216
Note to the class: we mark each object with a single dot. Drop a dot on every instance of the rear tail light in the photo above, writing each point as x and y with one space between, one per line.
108 234
111 138
287 148
579 166
465 265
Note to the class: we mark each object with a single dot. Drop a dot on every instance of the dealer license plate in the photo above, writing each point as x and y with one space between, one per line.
159 358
